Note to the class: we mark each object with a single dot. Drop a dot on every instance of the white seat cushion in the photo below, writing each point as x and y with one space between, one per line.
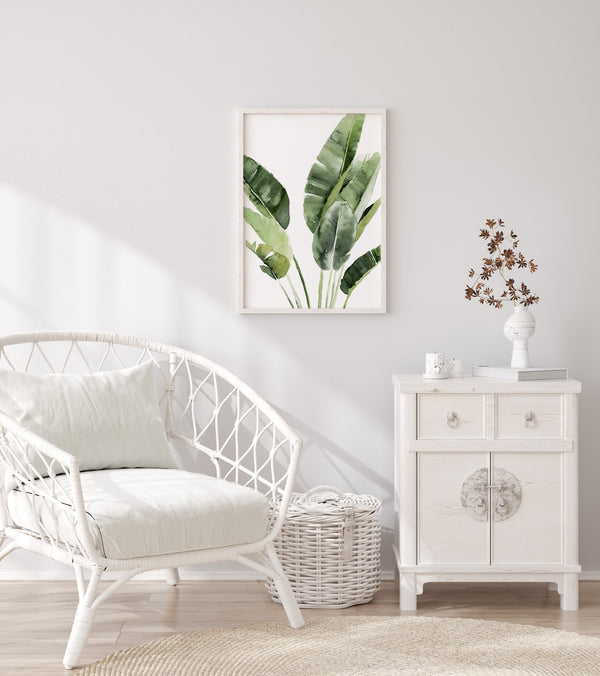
143 512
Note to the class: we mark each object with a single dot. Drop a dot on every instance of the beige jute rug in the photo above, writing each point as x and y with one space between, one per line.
361 645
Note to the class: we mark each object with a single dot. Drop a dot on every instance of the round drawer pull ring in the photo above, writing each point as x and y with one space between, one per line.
452 419
529 419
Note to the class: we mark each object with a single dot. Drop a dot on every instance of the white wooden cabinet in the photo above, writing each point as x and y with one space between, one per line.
486 485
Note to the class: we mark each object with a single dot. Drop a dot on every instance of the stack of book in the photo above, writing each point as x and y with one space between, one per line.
531 373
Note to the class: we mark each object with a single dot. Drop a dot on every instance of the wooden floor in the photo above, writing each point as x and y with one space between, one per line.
35 617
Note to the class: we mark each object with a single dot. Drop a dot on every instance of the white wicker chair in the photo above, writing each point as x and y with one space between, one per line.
205 409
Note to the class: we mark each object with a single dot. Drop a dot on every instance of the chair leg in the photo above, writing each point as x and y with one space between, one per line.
172 576
284 590
82 624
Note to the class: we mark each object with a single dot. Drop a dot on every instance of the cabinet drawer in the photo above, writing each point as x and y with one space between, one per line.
451 416
529 416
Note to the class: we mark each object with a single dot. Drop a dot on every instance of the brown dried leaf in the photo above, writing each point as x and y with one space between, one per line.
498 260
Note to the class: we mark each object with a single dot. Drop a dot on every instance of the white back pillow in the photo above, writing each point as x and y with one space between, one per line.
107 420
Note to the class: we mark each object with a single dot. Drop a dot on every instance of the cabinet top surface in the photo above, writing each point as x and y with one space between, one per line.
411 383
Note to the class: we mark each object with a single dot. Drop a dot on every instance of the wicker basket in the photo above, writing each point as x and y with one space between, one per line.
329 547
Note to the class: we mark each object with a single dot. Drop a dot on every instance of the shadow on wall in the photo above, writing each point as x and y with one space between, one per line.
59 272
326 463
335 465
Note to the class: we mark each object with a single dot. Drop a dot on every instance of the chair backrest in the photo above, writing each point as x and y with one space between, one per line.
204 407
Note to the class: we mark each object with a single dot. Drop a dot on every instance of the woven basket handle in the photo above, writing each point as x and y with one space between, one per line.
323 489
323 495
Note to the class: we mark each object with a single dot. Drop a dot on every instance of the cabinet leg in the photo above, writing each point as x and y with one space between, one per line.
396 579
408 592
569 594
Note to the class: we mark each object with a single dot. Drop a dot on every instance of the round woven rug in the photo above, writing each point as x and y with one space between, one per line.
361 645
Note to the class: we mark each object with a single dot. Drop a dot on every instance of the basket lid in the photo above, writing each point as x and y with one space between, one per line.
328 500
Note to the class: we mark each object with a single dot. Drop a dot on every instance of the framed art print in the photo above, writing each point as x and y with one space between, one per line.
312 210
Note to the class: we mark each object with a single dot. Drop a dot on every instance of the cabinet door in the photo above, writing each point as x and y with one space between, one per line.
533 532
453 524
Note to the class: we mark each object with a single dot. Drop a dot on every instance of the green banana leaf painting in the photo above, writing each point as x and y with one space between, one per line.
319 263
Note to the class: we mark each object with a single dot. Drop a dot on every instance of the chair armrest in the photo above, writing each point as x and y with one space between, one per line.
213 412
286 495
31 464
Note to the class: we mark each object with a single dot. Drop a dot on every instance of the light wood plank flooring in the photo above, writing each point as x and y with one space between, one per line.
35 617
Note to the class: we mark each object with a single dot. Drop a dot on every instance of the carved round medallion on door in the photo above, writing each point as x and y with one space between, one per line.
505 494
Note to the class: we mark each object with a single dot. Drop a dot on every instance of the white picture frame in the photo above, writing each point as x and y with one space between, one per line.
309 261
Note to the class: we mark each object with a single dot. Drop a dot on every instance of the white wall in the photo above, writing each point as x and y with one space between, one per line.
118 192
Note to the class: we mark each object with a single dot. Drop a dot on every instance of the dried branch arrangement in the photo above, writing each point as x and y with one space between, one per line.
503 257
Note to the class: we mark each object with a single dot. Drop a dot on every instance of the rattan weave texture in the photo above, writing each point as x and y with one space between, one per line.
329 547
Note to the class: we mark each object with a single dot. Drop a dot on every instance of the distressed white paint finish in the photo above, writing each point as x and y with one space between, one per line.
529 416
451 416
533 534
571 481
414 382
464 569
539 540
492 445
447 531
406 490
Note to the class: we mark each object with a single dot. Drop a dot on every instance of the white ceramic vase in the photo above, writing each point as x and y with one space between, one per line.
519 328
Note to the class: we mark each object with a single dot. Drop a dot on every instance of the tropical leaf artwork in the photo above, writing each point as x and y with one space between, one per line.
338 204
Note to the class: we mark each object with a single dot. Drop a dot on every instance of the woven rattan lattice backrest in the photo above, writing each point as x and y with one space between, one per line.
204 407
